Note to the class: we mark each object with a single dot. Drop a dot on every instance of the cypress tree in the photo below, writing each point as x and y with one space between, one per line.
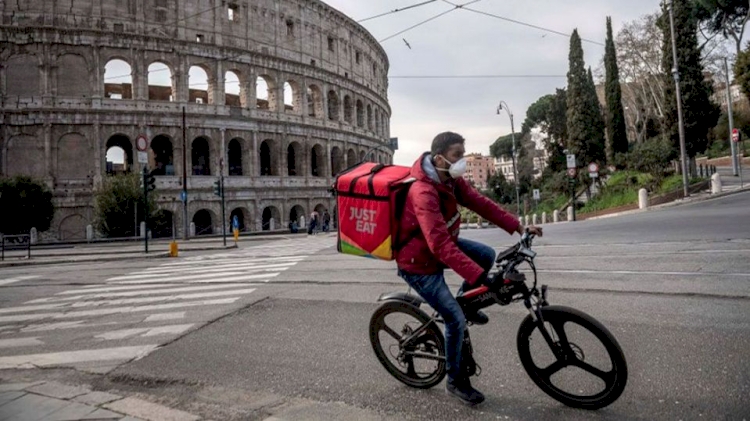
700 114
597 143
616 133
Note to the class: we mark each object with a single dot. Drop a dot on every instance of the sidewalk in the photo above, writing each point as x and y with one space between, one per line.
98 252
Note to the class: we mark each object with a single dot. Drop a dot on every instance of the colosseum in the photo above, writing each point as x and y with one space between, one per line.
276 95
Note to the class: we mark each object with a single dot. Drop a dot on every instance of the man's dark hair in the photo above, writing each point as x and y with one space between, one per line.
443 141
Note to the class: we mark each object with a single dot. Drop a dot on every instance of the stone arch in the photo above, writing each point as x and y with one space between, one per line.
200 154
362 155
320 208
294 159
268 213
160 82
72 70
242 218
74 157
203 220
265 92
232 89
314 101
72 227
25 156
360 113
162 224
234 156
337 160
369 117
377 122
291 96
333 105
348 109
23 70
118 161
118 79
351 157
317 161
163 155
268 157
296 212
199 85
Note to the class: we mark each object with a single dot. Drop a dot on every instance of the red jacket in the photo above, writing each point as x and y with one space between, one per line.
432 206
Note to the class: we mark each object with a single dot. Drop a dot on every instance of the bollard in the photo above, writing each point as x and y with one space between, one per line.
570 214
272 224
556 216
192 229
173 249
534 220
89 232
544 218
301 222
642 199
715 183
143 229
33 236
526 220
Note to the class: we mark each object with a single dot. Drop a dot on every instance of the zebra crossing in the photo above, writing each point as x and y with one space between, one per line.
127 316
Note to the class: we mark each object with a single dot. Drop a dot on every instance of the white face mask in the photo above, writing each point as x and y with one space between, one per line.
457 169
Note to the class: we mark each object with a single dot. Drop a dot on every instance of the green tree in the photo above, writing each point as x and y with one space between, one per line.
502 147
549 114
499 189
616 133
24 204
742 70
725 17
699 112
652 156
584 122
117 202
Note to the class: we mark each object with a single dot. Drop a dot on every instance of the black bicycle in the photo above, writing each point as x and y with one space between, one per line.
551 339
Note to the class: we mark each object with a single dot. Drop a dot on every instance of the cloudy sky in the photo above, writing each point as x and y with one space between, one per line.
466 43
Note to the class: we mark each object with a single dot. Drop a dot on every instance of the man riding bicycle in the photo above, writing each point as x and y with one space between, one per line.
432 217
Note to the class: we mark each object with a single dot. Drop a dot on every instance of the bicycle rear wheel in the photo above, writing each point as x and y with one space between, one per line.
586 370
419 363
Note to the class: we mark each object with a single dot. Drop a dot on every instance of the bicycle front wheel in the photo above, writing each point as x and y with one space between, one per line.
585 367
417 363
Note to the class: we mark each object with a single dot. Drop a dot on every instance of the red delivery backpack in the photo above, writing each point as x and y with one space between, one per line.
370 199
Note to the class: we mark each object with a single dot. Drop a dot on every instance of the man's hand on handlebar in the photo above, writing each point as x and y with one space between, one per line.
531 229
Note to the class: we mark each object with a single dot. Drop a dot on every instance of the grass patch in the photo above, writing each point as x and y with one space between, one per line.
611 199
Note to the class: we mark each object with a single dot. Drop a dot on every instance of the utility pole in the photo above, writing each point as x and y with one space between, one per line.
148 185
185 229
219 191
500 106
676 76
733 144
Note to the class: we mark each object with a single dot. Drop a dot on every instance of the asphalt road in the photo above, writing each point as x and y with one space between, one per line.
672 285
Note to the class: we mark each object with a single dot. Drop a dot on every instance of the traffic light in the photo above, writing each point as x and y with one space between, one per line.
217 187
149 181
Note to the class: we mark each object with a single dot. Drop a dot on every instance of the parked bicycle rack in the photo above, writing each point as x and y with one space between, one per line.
14 243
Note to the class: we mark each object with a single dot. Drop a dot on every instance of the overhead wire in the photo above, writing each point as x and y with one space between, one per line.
455 7
396 10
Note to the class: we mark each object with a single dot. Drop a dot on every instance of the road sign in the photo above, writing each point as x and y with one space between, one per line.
593 167
571 160
536 194
571 172
142 157
141 142
593 174
735 135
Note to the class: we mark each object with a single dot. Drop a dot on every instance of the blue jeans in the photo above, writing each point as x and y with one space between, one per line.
433 289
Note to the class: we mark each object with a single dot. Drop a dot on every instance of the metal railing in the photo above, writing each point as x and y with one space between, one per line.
15 243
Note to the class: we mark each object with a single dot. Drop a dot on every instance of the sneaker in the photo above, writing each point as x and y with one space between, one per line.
461 389
478 317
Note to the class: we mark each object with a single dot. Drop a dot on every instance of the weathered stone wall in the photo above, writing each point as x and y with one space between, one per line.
62 109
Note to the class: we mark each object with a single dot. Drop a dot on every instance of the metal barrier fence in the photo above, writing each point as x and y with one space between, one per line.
14 243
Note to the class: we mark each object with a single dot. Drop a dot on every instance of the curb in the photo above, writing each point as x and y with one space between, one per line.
108 258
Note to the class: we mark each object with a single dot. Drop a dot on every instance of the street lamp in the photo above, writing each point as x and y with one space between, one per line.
676 76
504 105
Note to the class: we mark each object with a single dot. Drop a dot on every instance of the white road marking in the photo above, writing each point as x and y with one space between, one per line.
167 330
201 269
29 308
114 310
120 334
234 259
209 280
230 270
140 300
165 316
114 288
12 343
147 292
144 332
17 279
72 357
52 326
